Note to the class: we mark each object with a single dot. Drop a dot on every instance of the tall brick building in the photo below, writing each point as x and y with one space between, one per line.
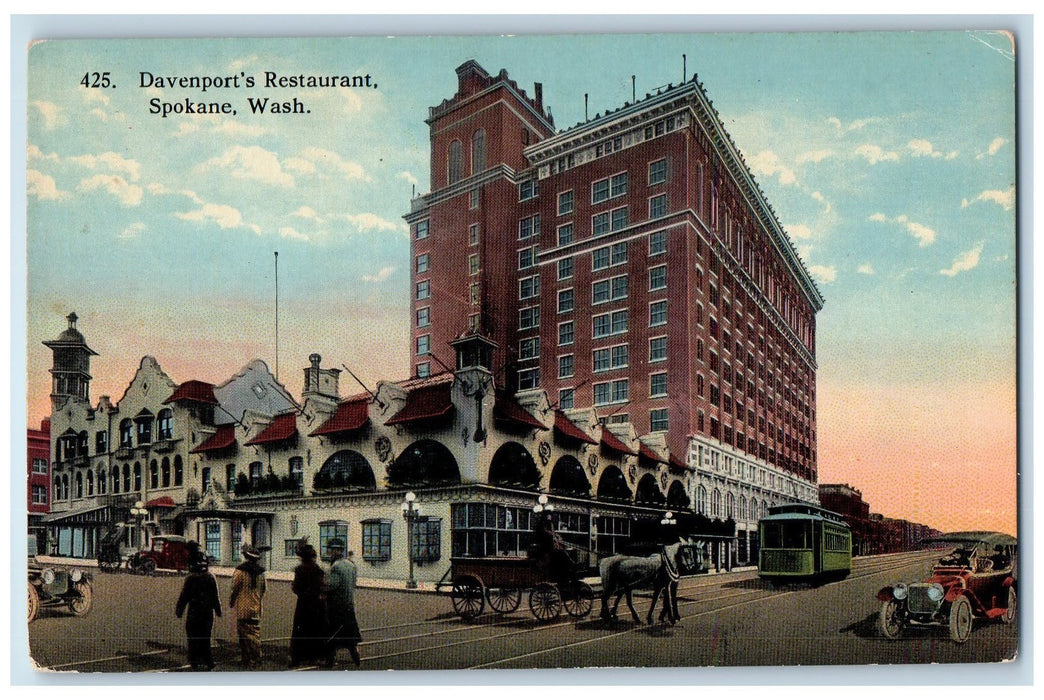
630 264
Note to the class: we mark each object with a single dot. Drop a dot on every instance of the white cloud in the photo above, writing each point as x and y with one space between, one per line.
381 275
221 214
49 111
767 163
319 156
878 217
408 177
875 154
110 161
855 125
814 156
306 212
131 232
42 186
865 269
299 165
33 152
94 95
292 234
967 260
252 163
922 148
353 104
922 233
995 145
157 188
372 222
129 195
823 274
1005 198
799 231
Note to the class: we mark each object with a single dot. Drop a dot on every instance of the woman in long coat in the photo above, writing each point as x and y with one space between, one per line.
309 634
199 596
340 604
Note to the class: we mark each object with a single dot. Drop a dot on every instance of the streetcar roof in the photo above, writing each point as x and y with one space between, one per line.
827 517
990 539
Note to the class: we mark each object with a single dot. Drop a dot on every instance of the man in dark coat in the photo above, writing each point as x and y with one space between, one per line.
199 596
309 634
248 591
340 604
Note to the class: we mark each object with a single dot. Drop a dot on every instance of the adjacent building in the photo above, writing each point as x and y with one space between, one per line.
38 481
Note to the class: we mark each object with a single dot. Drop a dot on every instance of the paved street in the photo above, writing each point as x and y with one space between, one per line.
729 619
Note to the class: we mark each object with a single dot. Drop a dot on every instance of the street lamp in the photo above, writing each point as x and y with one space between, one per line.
542 505
139 512
410 512
668 519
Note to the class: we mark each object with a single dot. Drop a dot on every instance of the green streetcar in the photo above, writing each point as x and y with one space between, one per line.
801 542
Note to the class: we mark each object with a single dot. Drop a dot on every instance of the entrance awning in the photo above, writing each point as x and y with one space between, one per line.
568 429
224 438
282 427
425 403
161 502
351 415
227 514
91 515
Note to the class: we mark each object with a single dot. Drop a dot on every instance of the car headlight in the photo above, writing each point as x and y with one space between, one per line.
75 575
48 576
936 592
900 592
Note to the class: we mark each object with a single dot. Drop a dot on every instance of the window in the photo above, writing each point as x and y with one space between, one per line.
422 263
528 348
600 223
619 185
423 370
565 268
529 287
619 322
255 473
166 424
474 199
423 344
376 540
565 333
658 278
658 172
421 230
39 465
101 442
126 433
478 151
608 188
620 218
328 530
527 258
204 478
144 431
456 161
473 264
602 394
658 206
529 226
565 398
487 529
619 253
565 203
424 317
599 191
423 289
658 349
473 234
658 313
153 475
657 243
600 258
39 495
565 234
565 301
565 366
600 292
619 354
600 360
620 391
528 378
528 190
528 318
600 326
619 287
212 538
658 384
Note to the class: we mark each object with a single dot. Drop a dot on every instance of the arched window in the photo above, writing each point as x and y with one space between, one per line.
677 497
612 486
743 514
296 472
115 479
424 463
730 503
346 469
512 465
478 151
137 476
204 477
179 471
90 483
648 492
165 472
456 162
568 478
126 478
701 500
153 475
102 481
79 485
57 489
716 504
65 486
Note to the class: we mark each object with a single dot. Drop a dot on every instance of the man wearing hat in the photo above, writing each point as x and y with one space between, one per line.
248 589
340 604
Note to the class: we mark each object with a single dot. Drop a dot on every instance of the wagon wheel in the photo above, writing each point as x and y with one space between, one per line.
961 620
544 602
504 600
1009 612
34 603
467 597
148 567
891 620
577 599
81 605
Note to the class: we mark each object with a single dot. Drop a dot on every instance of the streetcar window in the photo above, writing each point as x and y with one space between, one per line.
795 535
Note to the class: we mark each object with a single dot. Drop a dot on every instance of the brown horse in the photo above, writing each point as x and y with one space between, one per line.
623 574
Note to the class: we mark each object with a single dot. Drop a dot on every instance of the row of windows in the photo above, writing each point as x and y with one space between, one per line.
567 333
161 475
613 289
71 446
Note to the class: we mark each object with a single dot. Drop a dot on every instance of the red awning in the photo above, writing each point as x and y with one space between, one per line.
614 443
350 415
646 453
194 390
161 502
282 427
506 408
425 403
676 463
223 438
569 429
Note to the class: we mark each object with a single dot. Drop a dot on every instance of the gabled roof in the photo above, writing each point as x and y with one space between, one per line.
282 427
350 415
507 409
224 437
425 403
193 390
568 429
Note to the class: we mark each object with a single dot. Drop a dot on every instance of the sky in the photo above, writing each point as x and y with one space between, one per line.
889 158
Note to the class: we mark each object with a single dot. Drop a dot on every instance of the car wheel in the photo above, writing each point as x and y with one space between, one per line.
81 605
148 567
891 620
1009 613
960 620
34 603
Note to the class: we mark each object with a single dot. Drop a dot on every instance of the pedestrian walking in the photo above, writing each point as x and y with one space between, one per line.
340 604
309 634
248 590
199 597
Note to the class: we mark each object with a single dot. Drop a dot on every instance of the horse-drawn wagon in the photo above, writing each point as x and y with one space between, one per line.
502 581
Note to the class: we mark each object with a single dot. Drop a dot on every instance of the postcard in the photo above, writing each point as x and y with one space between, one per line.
521 352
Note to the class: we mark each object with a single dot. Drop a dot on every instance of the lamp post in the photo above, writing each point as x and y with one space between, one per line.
410 512
139 512
668 519
542 505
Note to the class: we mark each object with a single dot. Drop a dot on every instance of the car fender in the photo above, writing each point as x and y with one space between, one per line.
885 594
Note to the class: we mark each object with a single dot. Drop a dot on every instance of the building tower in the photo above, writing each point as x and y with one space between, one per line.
71 366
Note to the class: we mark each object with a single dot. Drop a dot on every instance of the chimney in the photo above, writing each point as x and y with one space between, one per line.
538 96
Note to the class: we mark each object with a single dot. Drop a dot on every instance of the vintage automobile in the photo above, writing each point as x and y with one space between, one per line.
977 578
167 552
58 587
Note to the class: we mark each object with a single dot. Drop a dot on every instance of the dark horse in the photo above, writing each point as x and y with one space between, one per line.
622 574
